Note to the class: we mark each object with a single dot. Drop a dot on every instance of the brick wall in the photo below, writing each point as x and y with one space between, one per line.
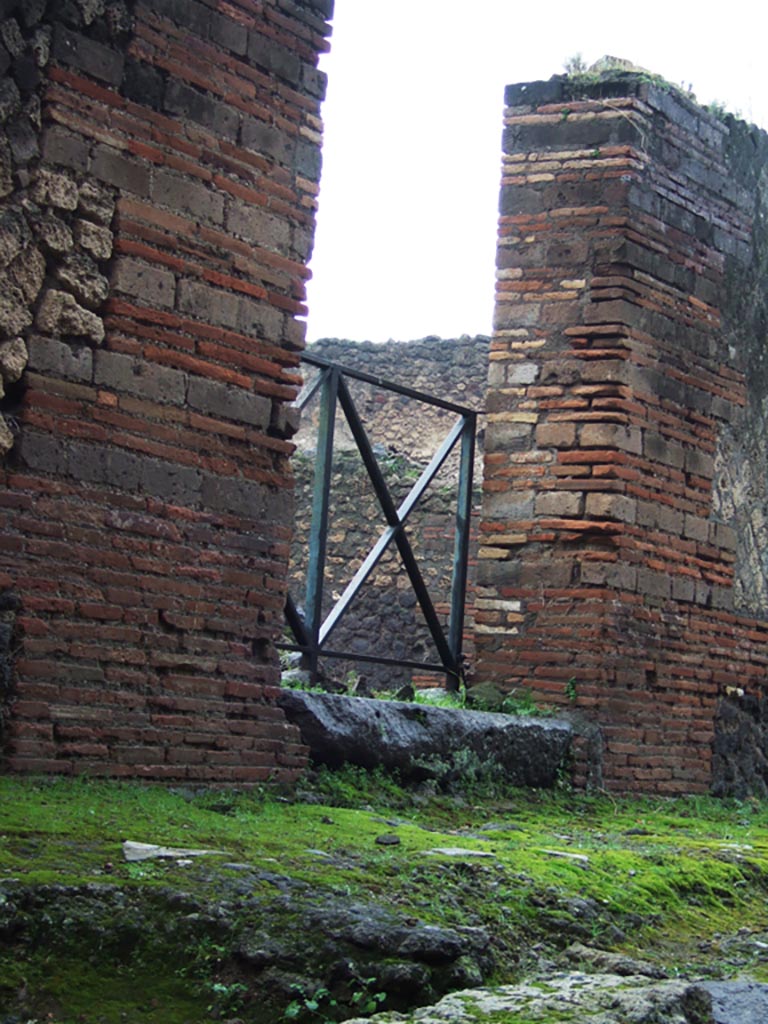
622 570
159 168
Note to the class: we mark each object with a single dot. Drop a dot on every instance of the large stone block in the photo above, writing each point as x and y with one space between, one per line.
421 742
151 285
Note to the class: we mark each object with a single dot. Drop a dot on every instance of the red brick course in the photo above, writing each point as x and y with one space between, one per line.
146 504
616 373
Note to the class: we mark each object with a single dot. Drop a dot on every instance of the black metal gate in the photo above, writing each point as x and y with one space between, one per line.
311 632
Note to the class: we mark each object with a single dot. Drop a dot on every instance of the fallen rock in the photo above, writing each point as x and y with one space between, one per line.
569 999
613 963
456 851
149 851
738 1002
421 742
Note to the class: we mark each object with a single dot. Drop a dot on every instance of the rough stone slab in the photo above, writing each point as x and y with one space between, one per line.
401 736
87 55
745 1002
215 399
48 355
574 997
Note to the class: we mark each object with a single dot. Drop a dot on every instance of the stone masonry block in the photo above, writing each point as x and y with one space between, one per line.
43 452
192 15
522 373
52 189
508 437
611 435
603 371
59 358
218 307
10 99
273 57
14 235
151 285
670 519
497 373
96 202
24 140
722 597
266 140
699 463
124 172
514 505
646 513
215 399
65 148
95 239
668 453
143 84
88 462
235 496
170 482
13 359
309 160
723 536
28 273
15 315
256 225
59 313
557 504
229 33
611 506
213 114
696 528
260 318
302 243
653 583
80 275
314 81
137 377
93 58
10 33
187 197
6 437
683 588
556 435
54 235
123 469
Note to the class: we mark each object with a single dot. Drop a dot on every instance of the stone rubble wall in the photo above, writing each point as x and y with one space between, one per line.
454 369
622 558
385 616
159 167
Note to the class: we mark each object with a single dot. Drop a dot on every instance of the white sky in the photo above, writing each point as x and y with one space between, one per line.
406 231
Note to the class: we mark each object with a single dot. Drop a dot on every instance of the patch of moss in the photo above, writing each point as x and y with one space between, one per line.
659 879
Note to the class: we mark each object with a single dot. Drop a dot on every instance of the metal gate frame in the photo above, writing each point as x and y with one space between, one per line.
311 631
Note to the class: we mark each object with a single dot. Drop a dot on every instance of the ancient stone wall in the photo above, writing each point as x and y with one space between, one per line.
385 616
455 369
159 168
622 559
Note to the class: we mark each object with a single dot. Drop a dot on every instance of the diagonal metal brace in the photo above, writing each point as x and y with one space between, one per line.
393 520
381 545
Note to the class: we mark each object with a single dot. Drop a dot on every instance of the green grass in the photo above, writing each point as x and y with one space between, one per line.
660 878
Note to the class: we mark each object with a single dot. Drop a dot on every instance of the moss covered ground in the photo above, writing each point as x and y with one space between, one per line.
682 882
